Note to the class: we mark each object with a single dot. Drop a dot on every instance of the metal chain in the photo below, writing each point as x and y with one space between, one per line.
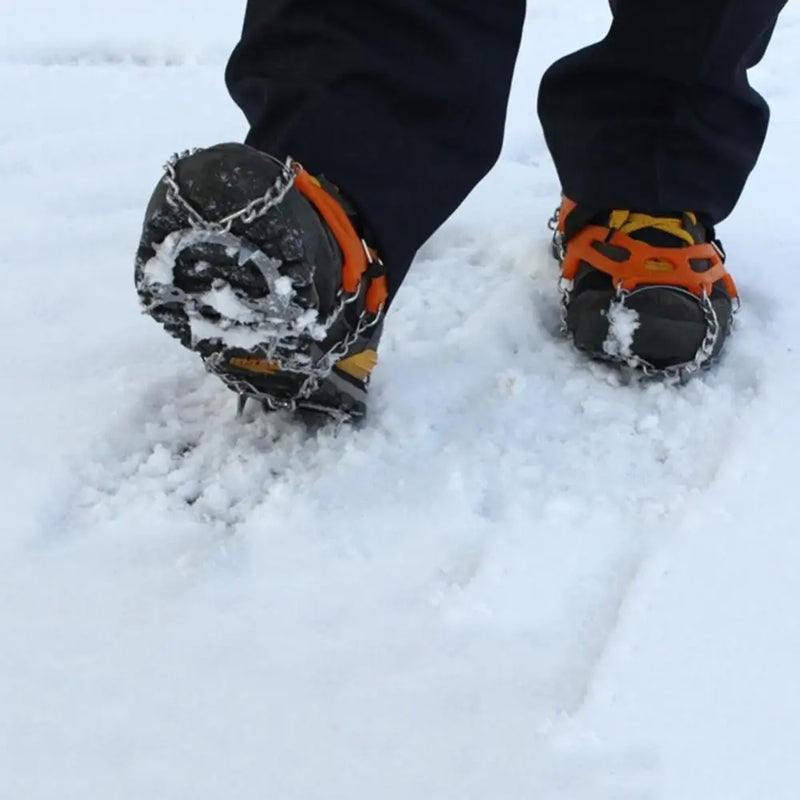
325 364
315 374
248 214
702 358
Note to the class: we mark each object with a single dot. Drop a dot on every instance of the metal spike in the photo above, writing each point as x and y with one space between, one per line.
627 374
241 403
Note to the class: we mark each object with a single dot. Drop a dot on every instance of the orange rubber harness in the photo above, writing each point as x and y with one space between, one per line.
645 264
358 259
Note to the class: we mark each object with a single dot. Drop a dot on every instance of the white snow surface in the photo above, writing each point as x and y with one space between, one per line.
520 579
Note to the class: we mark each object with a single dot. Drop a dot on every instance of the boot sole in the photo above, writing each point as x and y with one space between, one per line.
245 306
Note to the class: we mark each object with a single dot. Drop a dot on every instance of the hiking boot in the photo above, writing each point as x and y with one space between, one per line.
650 291
263 270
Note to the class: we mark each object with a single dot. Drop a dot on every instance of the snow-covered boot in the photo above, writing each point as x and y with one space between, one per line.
264 271
650 291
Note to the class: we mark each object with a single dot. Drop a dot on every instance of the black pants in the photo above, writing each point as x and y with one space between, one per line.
403 102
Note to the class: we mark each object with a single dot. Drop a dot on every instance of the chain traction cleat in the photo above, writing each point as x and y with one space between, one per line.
274 347
633 267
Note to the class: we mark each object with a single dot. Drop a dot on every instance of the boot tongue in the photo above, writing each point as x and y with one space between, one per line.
679 230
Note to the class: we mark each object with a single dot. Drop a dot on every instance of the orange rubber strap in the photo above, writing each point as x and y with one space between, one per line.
378 292
567 207
634 272
355 262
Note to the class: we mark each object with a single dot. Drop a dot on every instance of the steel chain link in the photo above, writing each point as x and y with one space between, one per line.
248 214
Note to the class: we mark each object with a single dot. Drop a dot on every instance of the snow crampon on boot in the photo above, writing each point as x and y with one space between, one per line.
259 267
649 291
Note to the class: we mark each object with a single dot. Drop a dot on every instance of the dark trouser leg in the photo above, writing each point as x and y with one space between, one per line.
401 102
659 116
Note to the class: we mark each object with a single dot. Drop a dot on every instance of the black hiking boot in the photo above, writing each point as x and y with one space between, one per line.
262 270
648 291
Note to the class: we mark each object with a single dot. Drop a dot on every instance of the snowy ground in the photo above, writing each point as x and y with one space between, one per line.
519 580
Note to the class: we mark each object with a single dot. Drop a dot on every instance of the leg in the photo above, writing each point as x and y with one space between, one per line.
654 131
660 114
266 271
401 102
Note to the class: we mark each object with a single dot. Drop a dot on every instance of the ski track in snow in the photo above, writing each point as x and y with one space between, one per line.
211 607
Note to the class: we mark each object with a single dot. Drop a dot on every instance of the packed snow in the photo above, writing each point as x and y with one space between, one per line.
519 578
239 322
623 322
